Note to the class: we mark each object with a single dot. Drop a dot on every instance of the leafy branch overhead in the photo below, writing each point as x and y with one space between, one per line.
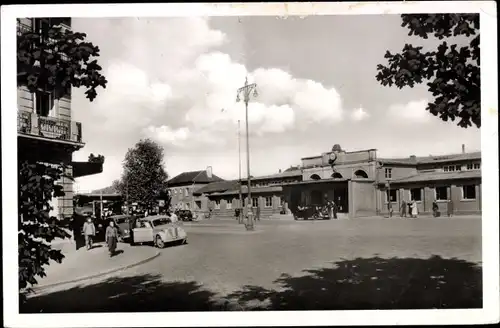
452 72
54 59
37 185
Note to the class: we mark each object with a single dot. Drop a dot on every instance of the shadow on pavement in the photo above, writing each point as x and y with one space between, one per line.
375 283
362 283
145 293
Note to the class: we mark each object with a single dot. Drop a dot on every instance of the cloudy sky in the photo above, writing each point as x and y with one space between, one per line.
175 79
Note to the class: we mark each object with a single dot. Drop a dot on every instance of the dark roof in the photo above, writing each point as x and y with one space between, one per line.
432 159
293 168
440 176
285 174
244 191
318 181
219 186
187 178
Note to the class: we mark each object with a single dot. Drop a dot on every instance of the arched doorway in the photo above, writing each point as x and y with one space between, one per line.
315 177
337 175
360 174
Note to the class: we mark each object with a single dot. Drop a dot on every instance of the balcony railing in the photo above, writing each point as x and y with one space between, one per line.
48 127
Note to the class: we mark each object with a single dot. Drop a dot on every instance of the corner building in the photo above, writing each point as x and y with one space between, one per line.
45 131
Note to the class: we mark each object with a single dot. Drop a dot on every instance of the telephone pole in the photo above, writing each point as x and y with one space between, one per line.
246 91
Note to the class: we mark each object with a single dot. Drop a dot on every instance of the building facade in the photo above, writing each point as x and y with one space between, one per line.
360 184
45 131
183 186
223 198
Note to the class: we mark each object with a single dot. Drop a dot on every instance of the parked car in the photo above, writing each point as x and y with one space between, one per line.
122 222
184 215
158 230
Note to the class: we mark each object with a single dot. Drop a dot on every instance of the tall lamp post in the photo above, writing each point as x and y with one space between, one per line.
240 215
246 91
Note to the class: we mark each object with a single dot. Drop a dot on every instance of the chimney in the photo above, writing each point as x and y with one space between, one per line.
279 170
413 158
463 149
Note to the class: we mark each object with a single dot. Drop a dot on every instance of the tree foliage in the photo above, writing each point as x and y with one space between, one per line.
36 187
452 72
51 60
144 176
54 59
96 159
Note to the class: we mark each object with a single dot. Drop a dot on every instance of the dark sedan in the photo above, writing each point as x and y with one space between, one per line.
122 222
184 215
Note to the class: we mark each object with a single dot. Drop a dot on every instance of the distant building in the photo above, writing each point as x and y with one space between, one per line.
45 131
223 197
182 186
359 183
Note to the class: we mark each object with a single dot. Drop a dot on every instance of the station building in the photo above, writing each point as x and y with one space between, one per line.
359 182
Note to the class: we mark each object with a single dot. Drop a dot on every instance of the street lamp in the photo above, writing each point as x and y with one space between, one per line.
246 91
240 214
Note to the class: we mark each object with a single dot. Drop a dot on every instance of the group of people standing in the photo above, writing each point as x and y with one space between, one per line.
412 209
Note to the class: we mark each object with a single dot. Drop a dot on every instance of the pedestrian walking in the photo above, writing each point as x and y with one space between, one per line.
257 213
449 208
111 238
435 209
402 210
389 208
88 232
329 208
414 209
335 209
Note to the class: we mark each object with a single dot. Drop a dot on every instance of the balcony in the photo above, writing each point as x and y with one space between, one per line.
32 125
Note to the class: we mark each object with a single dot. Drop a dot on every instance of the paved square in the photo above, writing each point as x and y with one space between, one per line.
370 263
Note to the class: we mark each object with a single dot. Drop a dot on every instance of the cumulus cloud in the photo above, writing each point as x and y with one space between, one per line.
411 112
180 90
359 114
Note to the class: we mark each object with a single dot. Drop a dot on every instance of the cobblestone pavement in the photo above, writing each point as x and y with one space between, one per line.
345 264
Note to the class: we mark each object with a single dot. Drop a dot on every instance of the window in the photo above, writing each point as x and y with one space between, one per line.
388 173
44 102
458 167
469 166
469 192
391 195
217 204
255 202
186 192
441 193
477 166
451 168
229 204
416 194
269 201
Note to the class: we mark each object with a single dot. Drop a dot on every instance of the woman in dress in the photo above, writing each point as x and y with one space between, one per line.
111 237
414 209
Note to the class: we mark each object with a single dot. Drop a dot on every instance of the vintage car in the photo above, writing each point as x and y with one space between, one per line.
122 222
184 215
158 229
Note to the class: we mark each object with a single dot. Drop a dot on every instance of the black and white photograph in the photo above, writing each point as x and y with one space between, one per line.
174 161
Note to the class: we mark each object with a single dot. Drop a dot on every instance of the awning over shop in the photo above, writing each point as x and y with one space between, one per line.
81 169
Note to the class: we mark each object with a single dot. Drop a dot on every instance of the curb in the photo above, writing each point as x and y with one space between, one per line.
42 287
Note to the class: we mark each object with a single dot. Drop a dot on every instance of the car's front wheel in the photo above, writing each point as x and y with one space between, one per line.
159 242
